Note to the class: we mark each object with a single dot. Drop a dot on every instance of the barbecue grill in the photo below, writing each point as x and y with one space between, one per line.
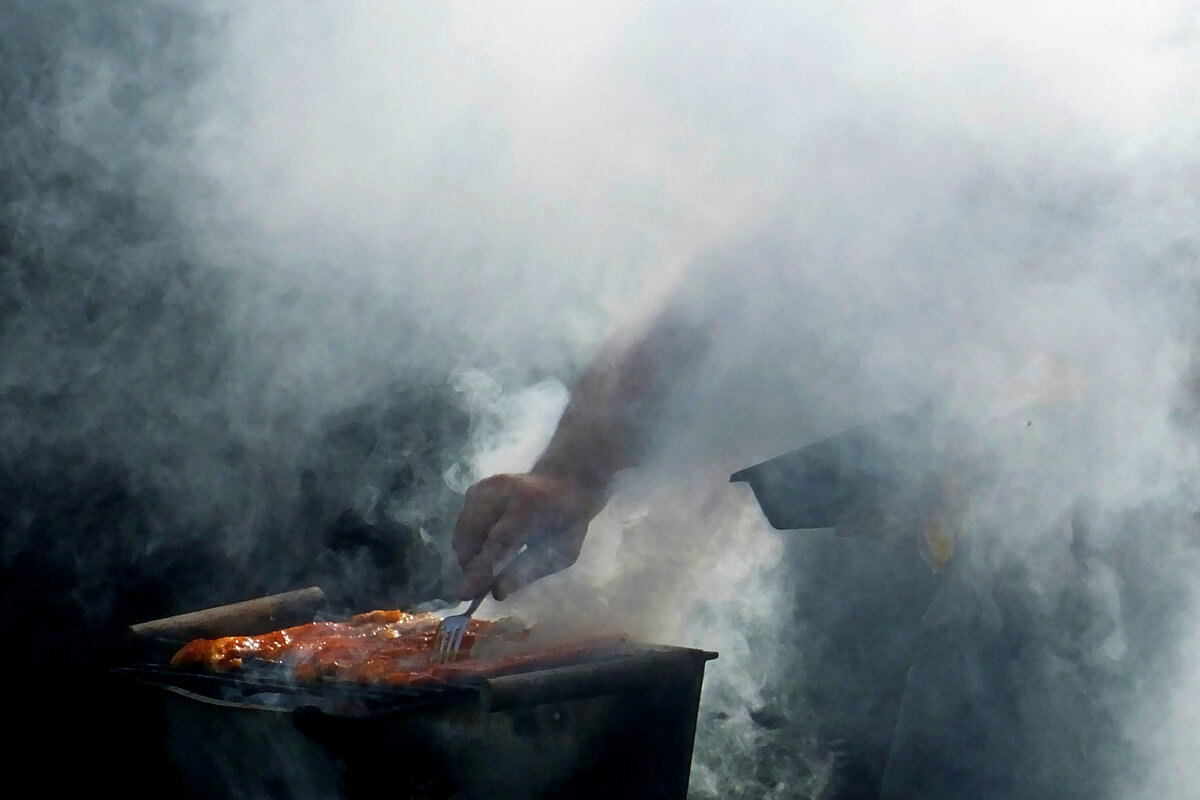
614 720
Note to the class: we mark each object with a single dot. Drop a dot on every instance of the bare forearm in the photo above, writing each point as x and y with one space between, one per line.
604 429
608 421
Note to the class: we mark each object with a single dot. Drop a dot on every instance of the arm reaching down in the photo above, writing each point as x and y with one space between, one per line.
602 431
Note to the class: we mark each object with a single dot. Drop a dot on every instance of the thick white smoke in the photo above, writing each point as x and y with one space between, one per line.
874 201
918 195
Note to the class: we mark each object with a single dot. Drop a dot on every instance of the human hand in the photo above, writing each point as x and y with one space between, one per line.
547 516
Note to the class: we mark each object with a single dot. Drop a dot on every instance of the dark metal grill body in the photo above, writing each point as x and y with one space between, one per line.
616 724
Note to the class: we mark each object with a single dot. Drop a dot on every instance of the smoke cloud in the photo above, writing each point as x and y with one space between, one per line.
261 263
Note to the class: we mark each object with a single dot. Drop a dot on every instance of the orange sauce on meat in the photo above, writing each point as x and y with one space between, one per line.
378 646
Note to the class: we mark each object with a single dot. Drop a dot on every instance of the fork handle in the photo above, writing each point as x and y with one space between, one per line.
471 609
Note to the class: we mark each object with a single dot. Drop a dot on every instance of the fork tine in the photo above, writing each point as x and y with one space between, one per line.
447 638
437 643
459 631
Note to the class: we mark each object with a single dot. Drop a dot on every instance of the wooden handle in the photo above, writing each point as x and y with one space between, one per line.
247 618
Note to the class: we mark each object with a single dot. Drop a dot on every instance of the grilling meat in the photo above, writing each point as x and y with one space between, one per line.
379 646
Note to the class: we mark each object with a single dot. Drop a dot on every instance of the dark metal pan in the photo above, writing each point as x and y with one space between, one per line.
834 479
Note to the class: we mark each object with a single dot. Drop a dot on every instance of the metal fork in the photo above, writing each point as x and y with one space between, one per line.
450 632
